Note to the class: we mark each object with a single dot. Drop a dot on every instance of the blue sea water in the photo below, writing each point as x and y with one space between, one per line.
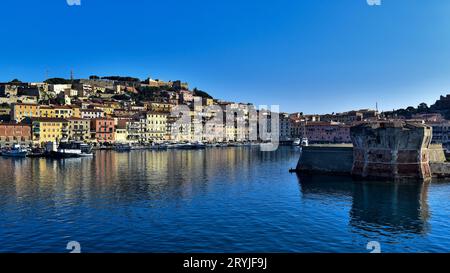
214 200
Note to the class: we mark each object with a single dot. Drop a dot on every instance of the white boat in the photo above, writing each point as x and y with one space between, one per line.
297 142
304 142
72 149
16 151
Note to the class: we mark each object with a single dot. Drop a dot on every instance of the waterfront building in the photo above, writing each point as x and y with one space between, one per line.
285 127
148 127
11 134
121 135
441 132
213 132
102 130
327 132
236 120
297 126
48 129
19 111
79 129
135 129
156 126
179 131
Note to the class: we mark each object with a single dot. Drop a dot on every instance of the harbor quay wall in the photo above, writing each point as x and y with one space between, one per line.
336 159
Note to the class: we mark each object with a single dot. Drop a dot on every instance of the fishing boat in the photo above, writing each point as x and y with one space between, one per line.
15 151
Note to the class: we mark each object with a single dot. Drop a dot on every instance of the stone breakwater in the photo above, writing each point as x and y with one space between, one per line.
381 150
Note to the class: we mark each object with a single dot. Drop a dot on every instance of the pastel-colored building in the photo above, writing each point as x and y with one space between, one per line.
108 110
285 127
19 111
79 129
11 134
92 113
76 112
158 107
327 132
46 111
63 111
102 130
156 128
48 129
121 135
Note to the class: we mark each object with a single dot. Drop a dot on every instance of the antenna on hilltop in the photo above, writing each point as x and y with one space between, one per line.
71 75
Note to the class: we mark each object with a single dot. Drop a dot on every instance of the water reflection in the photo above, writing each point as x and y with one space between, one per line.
387 208
130 177
215 200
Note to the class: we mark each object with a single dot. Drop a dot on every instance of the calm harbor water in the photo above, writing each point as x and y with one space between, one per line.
215 200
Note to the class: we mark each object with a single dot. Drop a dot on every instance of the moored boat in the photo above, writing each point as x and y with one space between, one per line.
122 147
304 142
71 150
15 151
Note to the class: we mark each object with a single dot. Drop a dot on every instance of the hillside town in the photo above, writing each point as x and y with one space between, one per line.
106 111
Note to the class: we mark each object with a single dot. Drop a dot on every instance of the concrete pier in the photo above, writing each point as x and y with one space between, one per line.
332 159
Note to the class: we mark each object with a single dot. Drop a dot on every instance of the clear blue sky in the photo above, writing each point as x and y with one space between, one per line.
314 56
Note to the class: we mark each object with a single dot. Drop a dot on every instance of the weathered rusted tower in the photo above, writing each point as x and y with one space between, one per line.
391 150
